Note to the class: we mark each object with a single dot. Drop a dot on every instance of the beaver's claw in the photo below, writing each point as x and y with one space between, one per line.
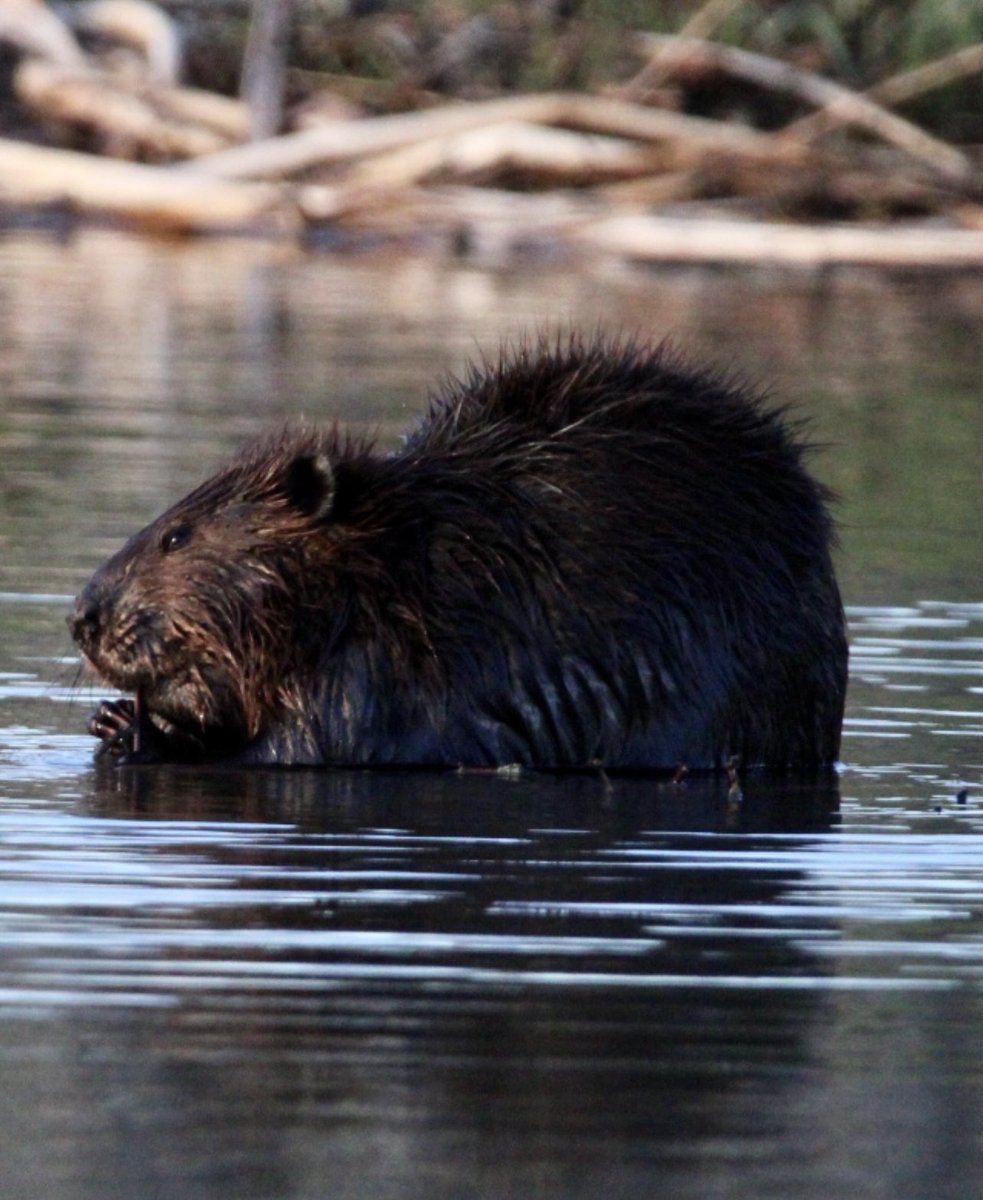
117 724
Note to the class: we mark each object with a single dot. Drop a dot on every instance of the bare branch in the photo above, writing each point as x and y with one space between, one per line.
846 106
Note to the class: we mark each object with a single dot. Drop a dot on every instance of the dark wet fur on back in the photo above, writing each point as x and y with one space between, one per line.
586 553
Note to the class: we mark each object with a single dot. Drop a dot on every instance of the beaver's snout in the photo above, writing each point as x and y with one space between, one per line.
85 623
89 620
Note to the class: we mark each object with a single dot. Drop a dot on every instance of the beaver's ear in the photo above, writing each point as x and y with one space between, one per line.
309 485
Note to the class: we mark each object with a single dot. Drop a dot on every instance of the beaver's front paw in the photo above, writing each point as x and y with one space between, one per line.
123 735
115 723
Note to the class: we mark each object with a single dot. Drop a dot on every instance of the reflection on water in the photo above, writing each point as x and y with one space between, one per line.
356 984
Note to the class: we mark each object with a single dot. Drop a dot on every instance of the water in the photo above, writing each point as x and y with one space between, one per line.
304 984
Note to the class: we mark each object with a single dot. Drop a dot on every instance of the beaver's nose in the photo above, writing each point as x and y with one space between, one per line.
85 623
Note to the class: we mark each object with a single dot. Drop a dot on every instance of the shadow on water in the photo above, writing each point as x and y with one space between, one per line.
486 804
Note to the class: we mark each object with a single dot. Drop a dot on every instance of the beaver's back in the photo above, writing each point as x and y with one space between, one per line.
631 565
615 431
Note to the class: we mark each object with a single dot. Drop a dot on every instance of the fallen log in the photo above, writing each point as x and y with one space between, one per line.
481 222
942 71
141 25
691 137
797 193
534 155
33 28
124 120
969 216
151 197
897 89
157 121
221 114
492 223
668 239
303 150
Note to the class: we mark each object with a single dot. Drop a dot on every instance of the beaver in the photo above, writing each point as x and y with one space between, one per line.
588 553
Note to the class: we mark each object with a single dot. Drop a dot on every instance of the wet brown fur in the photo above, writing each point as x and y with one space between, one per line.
598 495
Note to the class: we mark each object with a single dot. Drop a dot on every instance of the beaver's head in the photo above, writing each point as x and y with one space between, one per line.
201 614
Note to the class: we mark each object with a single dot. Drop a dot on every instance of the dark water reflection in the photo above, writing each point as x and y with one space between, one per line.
305 984
302 983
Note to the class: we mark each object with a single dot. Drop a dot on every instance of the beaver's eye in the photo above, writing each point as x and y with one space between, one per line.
175 537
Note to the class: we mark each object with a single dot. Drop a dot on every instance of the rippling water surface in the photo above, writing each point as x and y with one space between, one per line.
372 985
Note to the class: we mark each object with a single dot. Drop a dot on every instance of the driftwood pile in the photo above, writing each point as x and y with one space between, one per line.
126 142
